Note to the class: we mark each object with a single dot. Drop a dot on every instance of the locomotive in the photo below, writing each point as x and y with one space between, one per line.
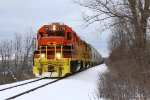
60 51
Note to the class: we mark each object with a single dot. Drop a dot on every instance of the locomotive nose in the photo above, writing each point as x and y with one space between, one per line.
50 40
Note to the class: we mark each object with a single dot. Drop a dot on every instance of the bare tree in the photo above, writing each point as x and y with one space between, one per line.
6 54
136 12
2 53
129 68
9 53
17 57
28 50
17 44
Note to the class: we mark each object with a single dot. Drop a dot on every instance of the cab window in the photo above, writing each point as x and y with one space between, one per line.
60 33
68 35
50 34
41 34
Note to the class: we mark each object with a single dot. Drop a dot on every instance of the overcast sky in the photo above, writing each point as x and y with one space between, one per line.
22 15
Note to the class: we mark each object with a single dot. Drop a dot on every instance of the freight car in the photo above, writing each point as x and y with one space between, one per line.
60 52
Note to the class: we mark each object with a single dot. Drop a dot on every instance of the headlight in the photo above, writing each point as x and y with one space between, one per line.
54 27
58 56
42 55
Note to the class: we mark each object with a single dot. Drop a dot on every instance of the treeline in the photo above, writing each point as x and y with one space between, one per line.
16 57
129 61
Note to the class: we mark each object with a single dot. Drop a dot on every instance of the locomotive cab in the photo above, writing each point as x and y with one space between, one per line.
54 52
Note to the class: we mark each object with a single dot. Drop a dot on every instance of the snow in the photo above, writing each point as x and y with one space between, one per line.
16 83
81 86
17 90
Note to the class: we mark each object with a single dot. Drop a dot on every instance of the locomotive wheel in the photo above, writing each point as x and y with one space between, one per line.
86 65
68 74
72 66
81 66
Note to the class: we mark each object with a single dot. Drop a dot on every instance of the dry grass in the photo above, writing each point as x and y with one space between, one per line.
19 76
125 80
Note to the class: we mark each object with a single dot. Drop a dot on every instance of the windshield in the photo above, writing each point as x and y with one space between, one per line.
57 33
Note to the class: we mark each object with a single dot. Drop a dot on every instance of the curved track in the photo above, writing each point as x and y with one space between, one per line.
38 87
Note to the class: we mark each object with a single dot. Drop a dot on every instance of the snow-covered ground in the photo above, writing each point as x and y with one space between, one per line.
81 86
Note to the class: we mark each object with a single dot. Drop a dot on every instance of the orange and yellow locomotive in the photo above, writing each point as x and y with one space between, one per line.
60 51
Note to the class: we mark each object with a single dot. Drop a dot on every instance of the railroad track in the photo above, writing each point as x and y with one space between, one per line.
33 89
21 84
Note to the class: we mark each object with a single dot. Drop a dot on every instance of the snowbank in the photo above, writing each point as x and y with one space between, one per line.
81 86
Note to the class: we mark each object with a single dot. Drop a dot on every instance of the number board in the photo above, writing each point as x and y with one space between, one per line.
57 28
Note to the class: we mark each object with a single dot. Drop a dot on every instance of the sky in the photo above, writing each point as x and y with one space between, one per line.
20 16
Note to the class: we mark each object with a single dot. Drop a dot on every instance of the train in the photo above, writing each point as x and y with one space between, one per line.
60 52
